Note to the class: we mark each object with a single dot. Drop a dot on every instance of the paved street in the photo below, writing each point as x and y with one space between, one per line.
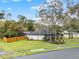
63 54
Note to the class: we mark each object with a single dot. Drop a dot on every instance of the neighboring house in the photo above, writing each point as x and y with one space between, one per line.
75 34
38 34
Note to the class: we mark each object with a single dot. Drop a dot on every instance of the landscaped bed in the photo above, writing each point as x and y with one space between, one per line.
26 47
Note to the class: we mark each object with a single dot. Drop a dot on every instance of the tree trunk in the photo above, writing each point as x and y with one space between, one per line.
55 38
50 38
69 34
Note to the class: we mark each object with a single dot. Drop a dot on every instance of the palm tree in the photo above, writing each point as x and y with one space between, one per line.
9 16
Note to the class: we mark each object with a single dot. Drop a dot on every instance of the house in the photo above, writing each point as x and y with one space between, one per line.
38 34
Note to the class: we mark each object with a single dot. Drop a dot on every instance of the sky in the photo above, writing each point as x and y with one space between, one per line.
22 7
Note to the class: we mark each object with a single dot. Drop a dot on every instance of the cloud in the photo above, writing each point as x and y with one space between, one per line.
9 8
48 1
34 7
5 1
16 0
29 0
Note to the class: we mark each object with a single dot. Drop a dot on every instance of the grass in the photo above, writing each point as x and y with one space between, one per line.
20 48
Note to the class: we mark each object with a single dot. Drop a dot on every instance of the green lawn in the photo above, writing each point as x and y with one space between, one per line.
20 48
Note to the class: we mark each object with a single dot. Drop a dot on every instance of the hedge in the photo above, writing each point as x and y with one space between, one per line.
13 39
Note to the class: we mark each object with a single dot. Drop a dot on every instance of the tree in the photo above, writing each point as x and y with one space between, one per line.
2 14
2 30
10 28
71 19
30 25
9 16
50 14
21 17
22 22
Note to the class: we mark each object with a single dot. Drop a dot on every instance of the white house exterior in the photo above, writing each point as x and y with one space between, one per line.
36 37
66 34
38 34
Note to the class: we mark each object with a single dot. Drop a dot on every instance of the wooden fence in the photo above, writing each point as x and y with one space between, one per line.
13 39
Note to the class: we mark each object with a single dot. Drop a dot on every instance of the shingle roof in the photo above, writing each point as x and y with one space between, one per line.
41 32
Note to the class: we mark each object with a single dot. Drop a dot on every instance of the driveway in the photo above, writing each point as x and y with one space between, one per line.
63 54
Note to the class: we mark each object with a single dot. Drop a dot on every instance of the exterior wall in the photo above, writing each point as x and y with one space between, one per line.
36 37
74 34
66 35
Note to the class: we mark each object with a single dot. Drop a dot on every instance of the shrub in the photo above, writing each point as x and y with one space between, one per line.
10 33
